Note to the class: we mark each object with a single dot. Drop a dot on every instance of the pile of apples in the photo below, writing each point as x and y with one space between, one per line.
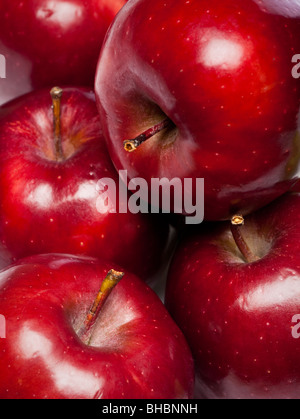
108 304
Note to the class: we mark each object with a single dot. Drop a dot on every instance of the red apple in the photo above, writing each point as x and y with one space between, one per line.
59 345
213 79
237 308
51 42
49 186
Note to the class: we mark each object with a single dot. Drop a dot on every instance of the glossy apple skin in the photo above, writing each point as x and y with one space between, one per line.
52 42
237 317
136 352
221 71
53 206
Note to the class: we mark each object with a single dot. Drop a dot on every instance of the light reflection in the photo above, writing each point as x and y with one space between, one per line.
287 8
67 378
62 13
285 289
87 191
43 196
222 52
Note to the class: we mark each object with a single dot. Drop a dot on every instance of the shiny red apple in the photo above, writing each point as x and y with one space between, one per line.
67 340
213 79
51 42
52 199
235 293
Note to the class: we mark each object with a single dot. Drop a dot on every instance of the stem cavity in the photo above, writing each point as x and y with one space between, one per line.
132 145
112 279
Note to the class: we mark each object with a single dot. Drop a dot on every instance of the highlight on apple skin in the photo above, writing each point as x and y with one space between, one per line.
200 94
131 349
49 186
221 72
238 314
47 43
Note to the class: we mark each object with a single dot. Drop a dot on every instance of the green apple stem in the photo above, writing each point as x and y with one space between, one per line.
132 145
112 279
237 222
56 95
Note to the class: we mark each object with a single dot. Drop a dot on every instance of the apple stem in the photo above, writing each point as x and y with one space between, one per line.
132 145
112 279
237 222
56 95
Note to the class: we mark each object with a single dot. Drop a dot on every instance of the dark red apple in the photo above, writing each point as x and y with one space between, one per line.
64 340
51 198
51 42
213 80
235 293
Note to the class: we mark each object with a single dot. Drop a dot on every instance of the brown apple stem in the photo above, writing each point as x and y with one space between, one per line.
132 145
236 225
56 94
112 279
